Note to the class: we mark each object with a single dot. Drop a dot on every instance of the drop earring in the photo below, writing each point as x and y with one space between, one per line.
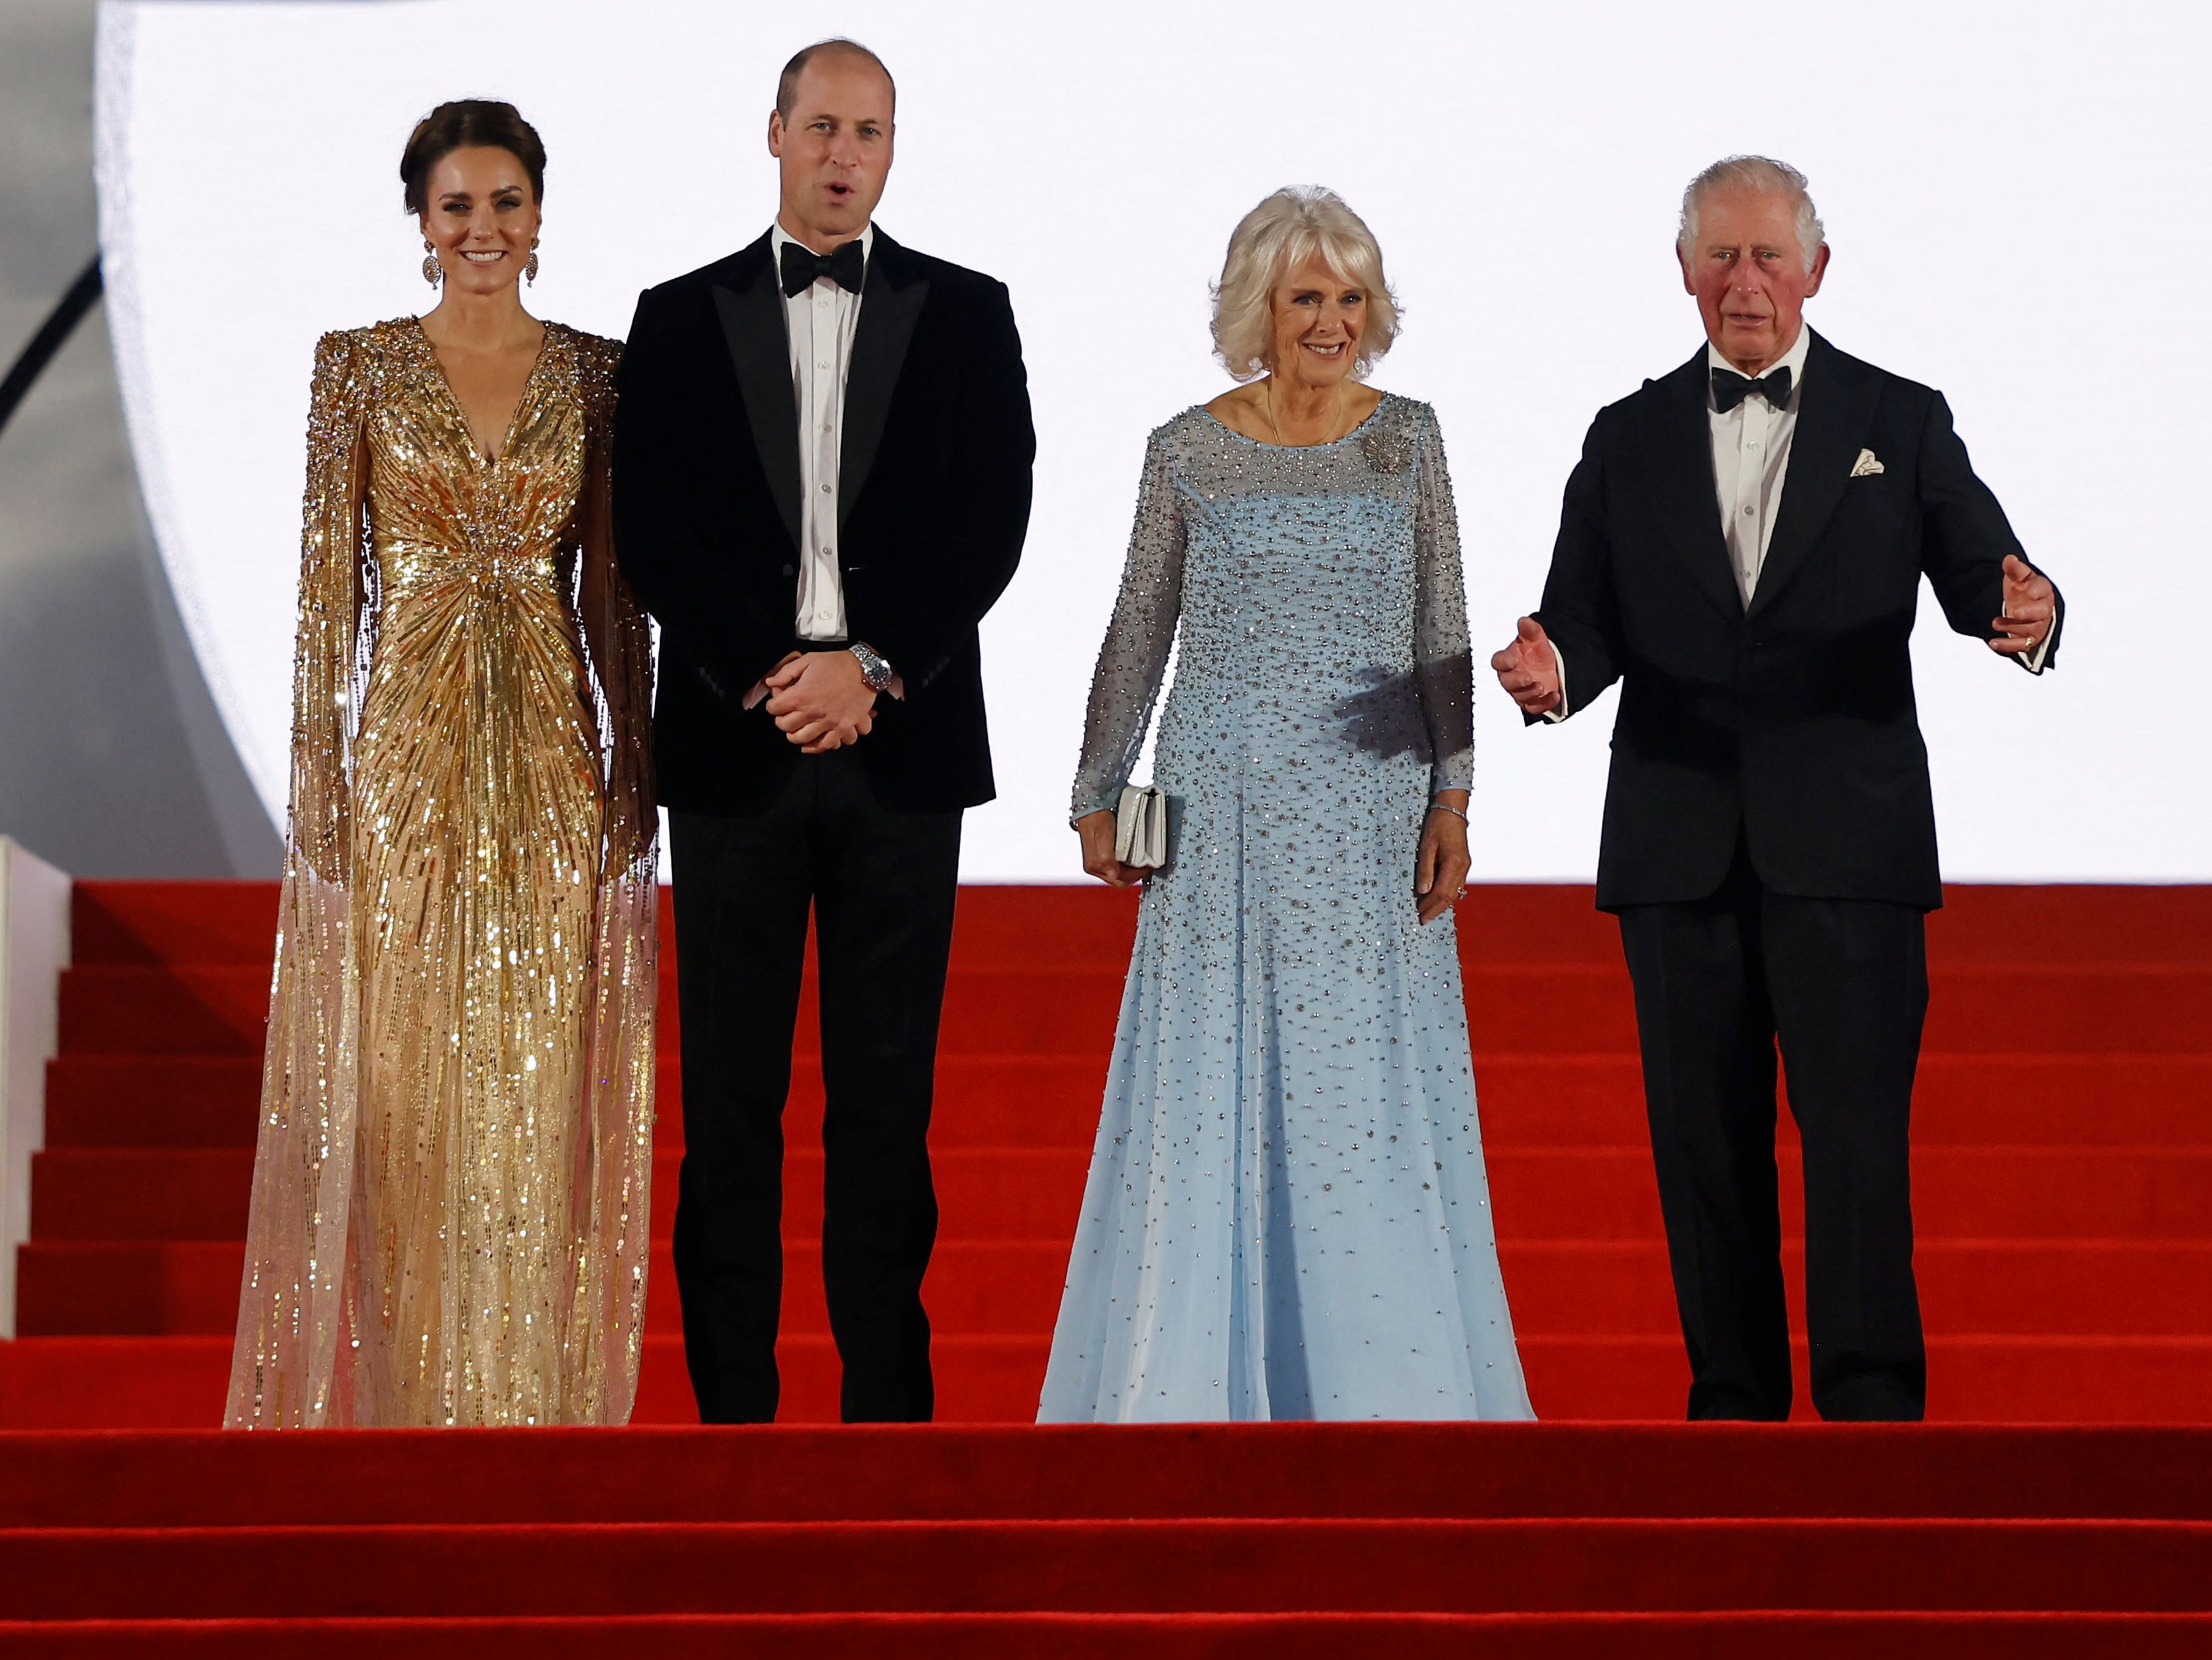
529 271
432 272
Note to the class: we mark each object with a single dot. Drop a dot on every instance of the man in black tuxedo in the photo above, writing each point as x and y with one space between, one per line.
1770 838
822 483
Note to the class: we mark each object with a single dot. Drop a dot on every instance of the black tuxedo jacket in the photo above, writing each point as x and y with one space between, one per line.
934 502
1792 721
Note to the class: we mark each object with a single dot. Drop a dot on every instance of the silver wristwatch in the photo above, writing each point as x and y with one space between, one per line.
874 669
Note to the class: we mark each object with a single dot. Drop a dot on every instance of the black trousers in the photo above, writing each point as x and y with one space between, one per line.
1844 984
880 885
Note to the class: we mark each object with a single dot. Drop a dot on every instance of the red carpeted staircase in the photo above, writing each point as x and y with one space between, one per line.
1277 1541
2063 1158
2063 1193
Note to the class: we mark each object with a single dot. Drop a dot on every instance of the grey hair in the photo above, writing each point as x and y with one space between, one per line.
1756 173
1287 229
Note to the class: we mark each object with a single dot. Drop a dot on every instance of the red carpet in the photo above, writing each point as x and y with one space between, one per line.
2063 1193
1540 1539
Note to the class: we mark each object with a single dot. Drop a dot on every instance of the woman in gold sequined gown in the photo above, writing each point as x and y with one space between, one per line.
449 1218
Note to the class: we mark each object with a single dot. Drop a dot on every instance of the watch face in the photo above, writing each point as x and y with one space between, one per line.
874 669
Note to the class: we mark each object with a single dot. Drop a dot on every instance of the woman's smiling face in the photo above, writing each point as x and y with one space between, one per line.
481 219
1318 318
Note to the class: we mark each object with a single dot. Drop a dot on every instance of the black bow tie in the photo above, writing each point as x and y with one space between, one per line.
847 266
1730 388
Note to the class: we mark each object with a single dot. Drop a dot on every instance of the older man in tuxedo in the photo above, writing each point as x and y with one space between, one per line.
1769 840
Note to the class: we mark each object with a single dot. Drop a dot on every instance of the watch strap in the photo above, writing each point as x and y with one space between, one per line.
875 668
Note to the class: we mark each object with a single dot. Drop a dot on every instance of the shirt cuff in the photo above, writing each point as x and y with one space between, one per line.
2032 662
1563 710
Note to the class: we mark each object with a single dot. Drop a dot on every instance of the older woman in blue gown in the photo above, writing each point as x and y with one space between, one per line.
1287 1214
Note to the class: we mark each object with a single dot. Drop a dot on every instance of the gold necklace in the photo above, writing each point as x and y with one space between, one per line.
1278 431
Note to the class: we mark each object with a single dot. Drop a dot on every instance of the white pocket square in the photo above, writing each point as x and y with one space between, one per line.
1866 466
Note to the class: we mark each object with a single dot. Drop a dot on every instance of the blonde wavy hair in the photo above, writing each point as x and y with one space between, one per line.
1287 229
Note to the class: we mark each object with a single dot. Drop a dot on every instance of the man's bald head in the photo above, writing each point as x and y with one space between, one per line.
787 85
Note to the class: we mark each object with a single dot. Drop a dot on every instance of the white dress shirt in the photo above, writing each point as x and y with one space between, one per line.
1751 463
1751 460
821 318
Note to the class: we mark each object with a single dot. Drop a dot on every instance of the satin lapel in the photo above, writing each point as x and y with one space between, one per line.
759 339
1833 414
890 301
1679 457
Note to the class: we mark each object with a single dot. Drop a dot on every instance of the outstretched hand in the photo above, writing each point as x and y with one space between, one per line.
2030 603
1529 669
820 701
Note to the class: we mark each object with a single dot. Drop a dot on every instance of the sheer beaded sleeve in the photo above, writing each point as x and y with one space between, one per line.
327 656
294 1309
1443 663
1132 659
617 641
607 1329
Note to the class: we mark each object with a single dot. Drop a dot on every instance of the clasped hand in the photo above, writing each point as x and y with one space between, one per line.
819 700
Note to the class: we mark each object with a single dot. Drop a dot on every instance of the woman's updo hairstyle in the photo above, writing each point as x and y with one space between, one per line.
469 123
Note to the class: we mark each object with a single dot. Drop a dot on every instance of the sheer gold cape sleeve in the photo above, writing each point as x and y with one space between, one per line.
292 1314
609 1329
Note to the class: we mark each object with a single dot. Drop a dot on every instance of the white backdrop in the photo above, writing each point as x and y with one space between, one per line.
2015 194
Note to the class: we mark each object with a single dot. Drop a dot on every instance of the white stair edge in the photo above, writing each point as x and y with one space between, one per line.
34 949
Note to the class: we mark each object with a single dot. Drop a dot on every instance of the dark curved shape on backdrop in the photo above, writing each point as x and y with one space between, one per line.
53 335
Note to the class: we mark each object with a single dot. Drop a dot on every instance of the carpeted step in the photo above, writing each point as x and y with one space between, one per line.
2031 1193
153 1100
2037 1379
1519 1563
208 1478
1006 1288
1540 1192
1013 1287
170 922
1990 1288
235 921
223 1009
89 1382
2007 923
180 1383
195 1101
1827 1635
2126 1007
198 1193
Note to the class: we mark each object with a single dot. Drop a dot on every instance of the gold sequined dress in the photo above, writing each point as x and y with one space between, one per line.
449 1220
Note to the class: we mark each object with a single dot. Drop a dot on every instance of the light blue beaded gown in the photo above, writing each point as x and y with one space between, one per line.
1287 1215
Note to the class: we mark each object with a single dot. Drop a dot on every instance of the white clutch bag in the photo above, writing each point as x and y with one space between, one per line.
1140 827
